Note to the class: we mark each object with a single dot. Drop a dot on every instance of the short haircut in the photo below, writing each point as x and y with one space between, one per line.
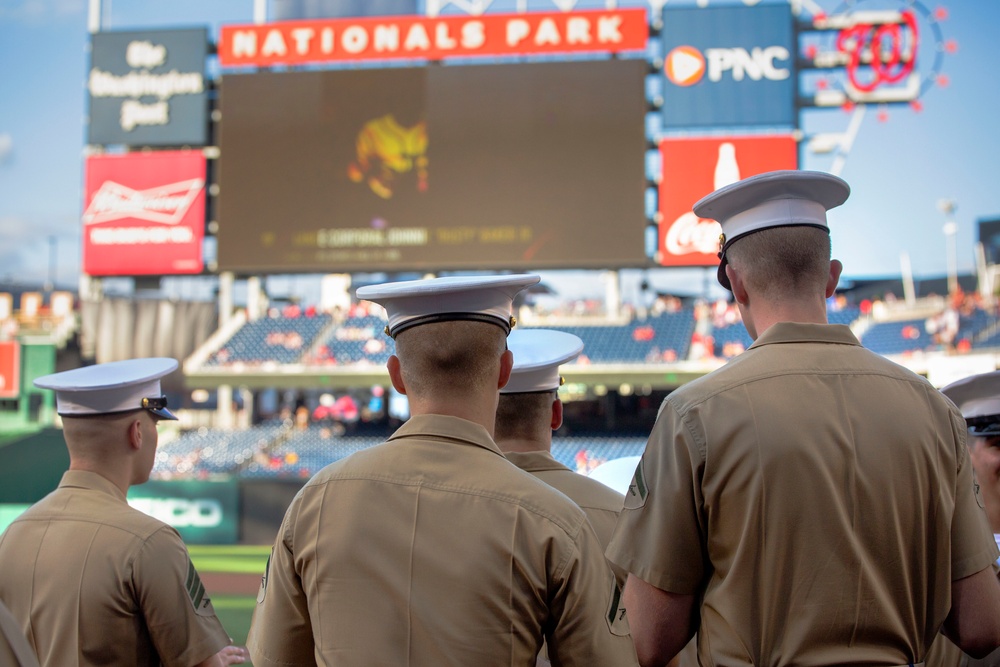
783 261
527 415
450 358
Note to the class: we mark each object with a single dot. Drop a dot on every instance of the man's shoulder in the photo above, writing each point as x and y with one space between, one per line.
772 361
495 478
586 492
60 507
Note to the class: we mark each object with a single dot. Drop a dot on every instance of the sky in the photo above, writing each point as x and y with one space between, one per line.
902 163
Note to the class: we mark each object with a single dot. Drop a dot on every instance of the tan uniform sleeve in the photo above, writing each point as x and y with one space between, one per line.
661 530
281 631
589 626
972 545
14 648
179 615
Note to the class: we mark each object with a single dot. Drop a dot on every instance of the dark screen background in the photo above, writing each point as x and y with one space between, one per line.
533 165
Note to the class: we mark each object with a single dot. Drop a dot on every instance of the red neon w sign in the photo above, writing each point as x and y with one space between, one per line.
884 48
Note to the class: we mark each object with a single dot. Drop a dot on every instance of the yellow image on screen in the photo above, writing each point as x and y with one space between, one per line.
386 149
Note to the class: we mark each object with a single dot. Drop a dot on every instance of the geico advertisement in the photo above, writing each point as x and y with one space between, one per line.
202 512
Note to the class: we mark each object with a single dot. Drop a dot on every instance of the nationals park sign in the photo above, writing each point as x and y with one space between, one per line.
418 37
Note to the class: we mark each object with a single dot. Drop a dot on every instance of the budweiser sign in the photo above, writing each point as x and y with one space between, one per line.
145 214
167 204
432 38
692 168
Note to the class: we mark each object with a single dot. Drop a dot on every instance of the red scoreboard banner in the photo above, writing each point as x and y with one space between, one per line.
144 214
10 369
692 168
394 37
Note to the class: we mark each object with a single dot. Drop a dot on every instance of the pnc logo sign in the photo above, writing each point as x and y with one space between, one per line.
686 65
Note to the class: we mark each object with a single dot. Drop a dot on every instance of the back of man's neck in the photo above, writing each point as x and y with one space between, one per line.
523 445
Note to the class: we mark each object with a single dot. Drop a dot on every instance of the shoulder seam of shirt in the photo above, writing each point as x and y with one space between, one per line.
571 528
736 384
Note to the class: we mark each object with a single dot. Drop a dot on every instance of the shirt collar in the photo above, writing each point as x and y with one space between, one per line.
535 461
84 479
802 332
450 428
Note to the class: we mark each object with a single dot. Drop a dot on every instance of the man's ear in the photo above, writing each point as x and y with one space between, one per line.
739 287
836 267
506 365
557 414
395 374
135 434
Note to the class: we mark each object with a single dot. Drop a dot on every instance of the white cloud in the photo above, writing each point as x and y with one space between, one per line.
6 146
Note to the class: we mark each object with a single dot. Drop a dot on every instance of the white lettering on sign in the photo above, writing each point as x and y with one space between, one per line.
401 37
144 55
757 64
141 235
143 84
165 204
302 37
136 113
691 234
181 512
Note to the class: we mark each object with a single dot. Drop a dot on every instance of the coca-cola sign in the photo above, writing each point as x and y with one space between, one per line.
692 168
144 214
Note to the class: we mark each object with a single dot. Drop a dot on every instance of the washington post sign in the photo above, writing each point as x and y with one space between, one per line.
728 66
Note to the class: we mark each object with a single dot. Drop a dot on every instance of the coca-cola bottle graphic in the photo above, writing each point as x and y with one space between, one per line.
727 170
689 233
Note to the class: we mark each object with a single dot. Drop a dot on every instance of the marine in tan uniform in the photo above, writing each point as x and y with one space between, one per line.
529 411
978 397
432 548
810 503
14 648
90 580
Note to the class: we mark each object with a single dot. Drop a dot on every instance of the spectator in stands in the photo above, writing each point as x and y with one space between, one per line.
14 648
817 499
978 397
91 580
432 549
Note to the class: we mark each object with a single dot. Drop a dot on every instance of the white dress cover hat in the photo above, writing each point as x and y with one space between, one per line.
481 298
978 397
786 198
538 353
118 386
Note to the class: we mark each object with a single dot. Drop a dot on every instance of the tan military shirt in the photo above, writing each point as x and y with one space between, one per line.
14 649
433 549
598 501
94 582
819 495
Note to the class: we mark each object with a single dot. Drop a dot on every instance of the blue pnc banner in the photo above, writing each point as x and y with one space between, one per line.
203 512
728 66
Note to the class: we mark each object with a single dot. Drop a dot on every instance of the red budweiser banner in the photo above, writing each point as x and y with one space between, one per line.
393 37
144 214
692 168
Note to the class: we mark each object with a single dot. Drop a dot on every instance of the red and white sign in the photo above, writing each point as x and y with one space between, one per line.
393 37
10 369
144 214
692 168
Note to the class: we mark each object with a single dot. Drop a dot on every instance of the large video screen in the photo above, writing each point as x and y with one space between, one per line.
509 166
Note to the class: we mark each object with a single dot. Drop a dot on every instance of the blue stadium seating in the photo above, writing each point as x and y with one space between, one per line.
282 340
897 337
213 451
